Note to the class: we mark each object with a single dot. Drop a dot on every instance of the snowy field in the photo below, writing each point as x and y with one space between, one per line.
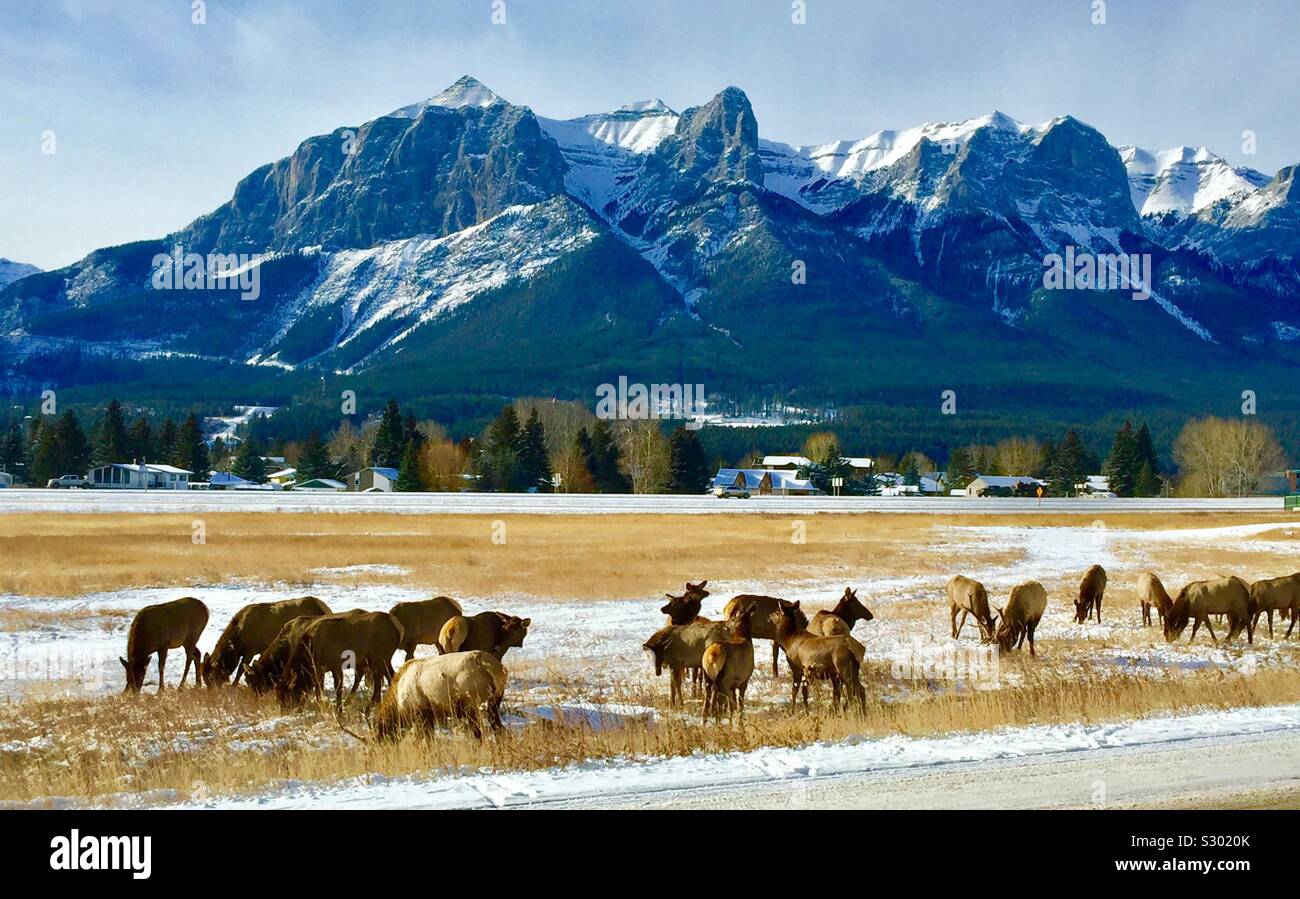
43 500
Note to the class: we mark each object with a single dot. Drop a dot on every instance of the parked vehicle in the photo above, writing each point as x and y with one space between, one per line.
68 480
724 492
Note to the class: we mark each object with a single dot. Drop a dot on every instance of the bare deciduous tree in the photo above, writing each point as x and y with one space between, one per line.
1225 457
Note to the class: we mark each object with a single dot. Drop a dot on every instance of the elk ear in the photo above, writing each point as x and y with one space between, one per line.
526 622
704 583
795 604
124 664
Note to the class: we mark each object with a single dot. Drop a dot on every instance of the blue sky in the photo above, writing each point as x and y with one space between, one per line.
156 118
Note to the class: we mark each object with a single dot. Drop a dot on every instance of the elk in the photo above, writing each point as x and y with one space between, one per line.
493 632
728 665
158 628
370 638
685 609
1152 594
969 597
762 622
1091 589
679 647
1019 618
249 632
266 670
1277 594
457 686
1199 600
422 621
840 620
835 659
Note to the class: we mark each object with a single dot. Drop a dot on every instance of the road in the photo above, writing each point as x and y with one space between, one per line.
1243 771
125 501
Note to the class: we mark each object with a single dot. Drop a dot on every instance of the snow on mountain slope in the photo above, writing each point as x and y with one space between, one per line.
11 271
467 91
400 285
1184 180
604 149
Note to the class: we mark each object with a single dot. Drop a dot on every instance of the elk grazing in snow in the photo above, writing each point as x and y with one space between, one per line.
249 632
837 660
968 597
762 621
1229 596
158 628
1019 618
840 620
1276 594
369 639
422 621
462 687
1091 590
1152 595
728 665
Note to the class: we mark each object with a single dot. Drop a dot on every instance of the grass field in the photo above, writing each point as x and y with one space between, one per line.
581 688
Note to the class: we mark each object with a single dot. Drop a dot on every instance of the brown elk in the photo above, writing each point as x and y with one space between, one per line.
840 620
728 665
1091 590
264 672
369 639
459 686
968 597
1199 600
422 621
158 628
249 632
494 632
837 660
1152 595
1276 594
762 621
1019 618
680 647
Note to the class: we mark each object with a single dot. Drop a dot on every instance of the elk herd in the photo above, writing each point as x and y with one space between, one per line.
287 647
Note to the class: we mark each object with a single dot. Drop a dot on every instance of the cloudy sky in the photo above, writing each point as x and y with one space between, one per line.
154 118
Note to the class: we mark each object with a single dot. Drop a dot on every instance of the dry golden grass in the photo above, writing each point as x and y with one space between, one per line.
173 748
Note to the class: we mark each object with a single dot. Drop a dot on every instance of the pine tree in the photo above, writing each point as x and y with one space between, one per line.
1146 450
534 462
111 442
606 455
167 437
191 452
498 458
408 473
961 470
314 460
248 463
1123 465
1067 468
911 472
687 463
139 440
62 449
12 451
1148 482
386 449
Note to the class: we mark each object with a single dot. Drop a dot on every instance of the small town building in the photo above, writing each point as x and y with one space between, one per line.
224 480
6 479
373 479
150 476
758 481
995 485
322 484
282 478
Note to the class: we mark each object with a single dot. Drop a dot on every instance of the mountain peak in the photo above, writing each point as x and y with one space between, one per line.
465 91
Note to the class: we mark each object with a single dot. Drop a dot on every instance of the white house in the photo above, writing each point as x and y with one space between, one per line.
860 464
999 483
6 479
224 480
151 476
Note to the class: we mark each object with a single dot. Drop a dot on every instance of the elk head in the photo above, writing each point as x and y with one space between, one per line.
851 609
134 675
682 609
697 590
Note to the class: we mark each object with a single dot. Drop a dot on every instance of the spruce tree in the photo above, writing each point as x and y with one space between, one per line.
606 456
498 459
12 451
191 452
961 470
111 442
911 473
688 466
167 437
248 463
1146 450
314 460
534 462
62 449
139 440
408 473
1148 482
1067 468
389 442
1123 465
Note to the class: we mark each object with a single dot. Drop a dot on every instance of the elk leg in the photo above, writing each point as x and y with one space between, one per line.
1294 616
162 663
674 686
239 670
775 648
1146 615
805 695
1196 625
1270 624
835 694
794 687
376 675
1209 626
337 672
957 630
1031 629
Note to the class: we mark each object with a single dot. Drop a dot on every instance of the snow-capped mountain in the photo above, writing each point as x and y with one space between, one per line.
453 232
11 271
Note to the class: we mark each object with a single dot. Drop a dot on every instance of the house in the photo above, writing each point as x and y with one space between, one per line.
373 479
861 465
1094 485
997 485
282 478
6 479
322 484
224 480
764 483
121 476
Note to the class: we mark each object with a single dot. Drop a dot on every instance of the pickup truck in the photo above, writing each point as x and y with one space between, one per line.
68 480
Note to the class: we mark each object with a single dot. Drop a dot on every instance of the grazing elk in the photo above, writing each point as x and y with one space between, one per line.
264 672
249 632
1275 594
728 665
1091 590
1229 596
493 632
422 621
680 647
1019 618
968 597
458 686
835 659
369 639
762 622
158 628
840 620
1152 595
